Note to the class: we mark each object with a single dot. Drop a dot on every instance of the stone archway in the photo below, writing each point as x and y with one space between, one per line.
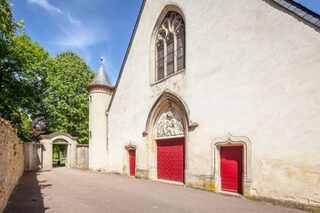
166 131
47 142
60 153
163 99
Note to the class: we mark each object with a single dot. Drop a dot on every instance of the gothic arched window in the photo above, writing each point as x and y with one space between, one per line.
170 46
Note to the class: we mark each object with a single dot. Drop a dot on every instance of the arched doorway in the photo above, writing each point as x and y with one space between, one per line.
66 142
170 142
59 153
167 135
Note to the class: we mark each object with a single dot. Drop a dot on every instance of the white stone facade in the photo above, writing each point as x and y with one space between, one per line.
98 103
251 78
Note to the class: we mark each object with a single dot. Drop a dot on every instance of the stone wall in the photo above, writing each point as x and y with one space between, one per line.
33 156
11 161
82 156
38 156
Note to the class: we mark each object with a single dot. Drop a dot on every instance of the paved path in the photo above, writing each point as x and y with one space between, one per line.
72 190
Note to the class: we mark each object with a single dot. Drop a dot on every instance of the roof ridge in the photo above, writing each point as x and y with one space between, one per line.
127 52
301 11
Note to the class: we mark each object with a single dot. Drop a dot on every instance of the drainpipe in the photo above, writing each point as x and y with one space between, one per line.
107 141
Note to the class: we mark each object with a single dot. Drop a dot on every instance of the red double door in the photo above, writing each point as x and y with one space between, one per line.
170 159
132 162
231 168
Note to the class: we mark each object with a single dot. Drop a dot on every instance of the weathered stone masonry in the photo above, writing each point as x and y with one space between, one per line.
11 161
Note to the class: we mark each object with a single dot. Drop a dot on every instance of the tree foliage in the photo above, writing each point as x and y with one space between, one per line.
66 102
24 132
7 26
37 91
23 64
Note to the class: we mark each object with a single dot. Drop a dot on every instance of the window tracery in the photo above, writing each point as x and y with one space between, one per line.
170 46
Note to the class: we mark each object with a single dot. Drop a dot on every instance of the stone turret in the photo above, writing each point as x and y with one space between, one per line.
100 92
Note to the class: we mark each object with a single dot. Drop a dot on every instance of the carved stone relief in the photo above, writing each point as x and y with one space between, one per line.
130 146
169 124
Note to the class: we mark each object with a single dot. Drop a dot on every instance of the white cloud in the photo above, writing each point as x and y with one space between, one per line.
46 5
76 37
72 19
79 35
75 34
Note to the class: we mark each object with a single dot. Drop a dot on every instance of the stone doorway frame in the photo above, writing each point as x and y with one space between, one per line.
127 148
165 100
61 142
231 140
47 142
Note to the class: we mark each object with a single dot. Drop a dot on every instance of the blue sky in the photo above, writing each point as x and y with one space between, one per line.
91 28
313 5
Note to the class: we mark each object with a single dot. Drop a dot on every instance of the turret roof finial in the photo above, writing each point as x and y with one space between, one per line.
101 77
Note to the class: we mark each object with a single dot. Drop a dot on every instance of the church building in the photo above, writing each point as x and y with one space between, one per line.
220 95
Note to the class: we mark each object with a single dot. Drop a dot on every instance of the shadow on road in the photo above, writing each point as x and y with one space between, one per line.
27 196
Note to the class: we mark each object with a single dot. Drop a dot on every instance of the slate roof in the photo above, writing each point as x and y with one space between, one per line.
101 77
300 11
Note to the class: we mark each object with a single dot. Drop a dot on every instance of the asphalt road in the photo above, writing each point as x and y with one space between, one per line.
72 190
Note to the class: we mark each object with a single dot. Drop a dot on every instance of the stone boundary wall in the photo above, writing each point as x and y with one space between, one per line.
82 156
35 153
11 161
33 156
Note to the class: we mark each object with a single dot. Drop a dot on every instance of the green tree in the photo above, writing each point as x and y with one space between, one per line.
24 132
23 81
8 63
34 62
7 28
23 65
66 102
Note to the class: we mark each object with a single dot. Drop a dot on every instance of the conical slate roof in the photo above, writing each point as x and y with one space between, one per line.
101 77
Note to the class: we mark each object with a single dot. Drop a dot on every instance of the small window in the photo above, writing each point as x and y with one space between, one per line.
170 46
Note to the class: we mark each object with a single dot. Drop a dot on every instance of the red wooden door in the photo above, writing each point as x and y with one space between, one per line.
132 161
170 159
231 168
